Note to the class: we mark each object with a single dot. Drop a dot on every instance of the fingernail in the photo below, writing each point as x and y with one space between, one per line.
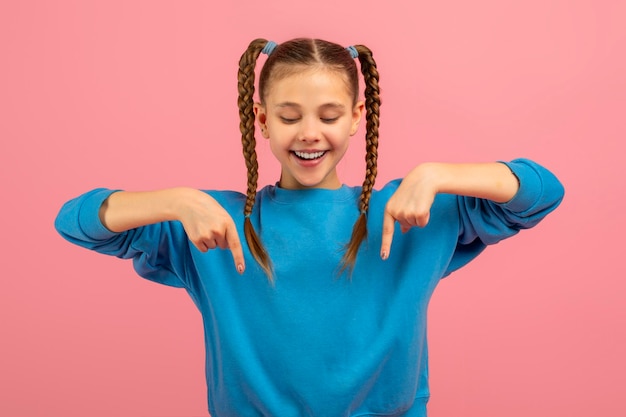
384 255
240 268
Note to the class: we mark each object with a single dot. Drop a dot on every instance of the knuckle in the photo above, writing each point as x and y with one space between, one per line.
391 209
422 217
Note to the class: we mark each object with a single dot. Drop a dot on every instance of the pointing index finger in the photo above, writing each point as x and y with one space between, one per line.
387 238
234 244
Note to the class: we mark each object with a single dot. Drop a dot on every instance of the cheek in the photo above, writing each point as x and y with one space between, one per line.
278 149
341 134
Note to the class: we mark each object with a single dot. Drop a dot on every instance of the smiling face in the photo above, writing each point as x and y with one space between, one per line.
308 117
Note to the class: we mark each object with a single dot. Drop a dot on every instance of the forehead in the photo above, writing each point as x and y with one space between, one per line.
319 85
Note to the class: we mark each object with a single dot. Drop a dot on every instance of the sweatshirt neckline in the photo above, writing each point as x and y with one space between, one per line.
311 195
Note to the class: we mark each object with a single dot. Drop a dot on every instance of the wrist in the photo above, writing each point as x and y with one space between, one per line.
176 201
432 175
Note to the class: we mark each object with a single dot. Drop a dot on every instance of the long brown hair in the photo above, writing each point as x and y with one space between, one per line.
286 59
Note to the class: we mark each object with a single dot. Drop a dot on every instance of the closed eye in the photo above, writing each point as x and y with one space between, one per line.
329 120
288 121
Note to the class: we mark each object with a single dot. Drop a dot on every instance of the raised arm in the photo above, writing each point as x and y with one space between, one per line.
410 204
205 221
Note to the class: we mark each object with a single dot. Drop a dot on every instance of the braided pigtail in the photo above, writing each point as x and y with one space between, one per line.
245 85
372 106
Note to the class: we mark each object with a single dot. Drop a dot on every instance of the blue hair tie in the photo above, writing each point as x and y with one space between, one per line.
269 47
353 52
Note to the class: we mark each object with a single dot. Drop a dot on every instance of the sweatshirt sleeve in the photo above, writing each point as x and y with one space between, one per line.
155 249
483 222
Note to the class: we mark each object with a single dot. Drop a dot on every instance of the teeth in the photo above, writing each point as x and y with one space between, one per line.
309 155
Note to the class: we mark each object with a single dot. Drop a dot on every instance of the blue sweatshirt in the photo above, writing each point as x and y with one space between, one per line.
315 344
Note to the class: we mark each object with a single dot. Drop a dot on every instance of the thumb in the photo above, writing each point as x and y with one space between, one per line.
234 244
388 229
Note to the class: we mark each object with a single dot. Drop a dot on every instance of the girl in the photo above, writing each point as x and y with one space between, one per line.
320 315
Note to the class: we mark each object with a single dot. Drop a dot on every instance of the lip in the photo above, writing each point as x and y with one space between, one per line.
309 150
308 163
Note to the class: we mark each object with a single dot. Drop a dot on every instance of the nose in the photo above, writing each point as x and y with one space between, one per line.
309 130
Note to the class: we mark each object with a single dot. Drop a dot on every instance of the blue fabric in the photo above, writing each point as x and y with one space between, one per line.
315 344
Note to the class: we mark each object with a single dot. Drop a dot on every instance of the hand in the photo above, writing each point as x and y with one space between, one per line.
409 205
208 225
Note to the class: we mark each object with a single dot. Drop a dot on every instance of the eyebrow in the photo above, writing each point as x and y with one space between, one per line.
331 105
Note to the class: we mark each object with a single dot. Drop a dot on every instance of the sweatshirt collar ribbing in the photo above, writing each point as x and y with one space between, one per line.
312 195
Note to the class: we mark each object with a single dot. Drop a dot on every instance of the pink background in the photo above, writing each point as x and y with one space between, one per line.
142 95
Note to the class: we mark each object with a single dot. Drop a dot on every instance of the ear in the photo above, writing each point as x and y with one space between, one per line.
261 118
357 112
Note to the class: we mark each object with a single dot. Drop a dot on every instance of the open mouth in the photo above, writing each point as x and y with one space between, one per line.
309 156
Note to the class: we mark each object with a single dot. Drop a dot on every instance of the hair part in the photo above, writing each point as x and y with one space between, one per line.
285 60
